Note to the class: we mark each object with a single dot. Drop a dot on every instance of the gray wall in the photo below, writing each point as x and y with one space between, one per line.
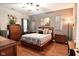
63 13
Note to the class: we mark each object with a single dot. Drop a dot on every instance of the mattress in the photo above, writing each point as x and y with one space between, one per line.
36 38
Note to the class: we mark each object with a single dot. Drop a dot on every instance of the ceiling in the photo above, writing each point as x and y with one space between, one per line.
43 7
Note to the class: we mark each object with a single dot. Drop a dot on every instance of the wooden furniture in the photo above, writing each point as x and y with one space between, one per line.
33 46
71 48
40 48
60 38
76 53
14 31
72 45
71 52
7 47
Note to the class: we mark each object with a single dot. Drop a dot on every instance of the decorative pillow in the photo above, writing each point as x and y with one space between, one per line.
50 31
45 31
41 32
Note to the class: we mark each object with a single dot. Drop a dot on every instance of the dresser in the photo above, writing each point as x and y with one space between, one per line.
7 47
14 32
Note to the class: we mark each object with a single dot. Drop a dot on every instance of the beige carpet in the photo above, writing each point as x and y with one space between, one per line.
54 49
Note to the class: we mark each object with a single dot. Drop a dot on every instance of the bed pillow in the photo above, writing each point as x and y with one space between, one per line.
40 30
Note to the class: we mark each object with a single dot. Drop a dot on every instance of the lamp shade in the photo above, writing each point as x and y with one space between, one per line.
68 20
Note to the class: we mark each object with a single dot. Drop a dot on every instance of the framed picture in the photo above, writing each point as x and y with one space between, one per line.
45 21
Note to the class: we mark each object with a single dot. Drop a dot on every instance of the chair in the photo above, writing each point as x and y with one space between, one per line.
72 52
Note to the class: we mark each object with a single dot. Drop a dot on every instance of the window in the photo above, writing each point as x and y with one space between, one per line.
25 25
58 23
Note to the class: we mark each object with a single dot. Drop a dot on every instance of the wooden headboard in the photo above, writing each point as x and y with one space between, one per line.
50 28
43 27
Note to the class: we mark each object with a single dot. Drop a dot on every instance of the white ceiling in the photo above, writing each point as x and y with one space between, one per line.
44 7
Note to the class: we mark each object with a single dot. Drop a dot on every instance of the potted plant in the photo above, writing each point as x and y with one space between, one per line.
12 21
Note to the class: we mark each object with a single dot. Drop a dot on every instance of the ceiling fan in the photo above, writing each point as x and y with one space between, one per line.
31 6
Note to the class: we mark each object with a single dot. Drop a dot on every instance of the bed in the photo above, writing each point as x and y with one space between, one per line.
36 40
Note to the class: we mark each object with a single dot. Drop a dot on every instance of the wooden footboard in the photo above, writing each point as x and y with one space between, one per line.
33 46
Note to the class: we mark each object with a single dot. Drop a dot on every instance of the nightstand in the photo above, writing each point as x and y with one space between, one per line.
60 38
